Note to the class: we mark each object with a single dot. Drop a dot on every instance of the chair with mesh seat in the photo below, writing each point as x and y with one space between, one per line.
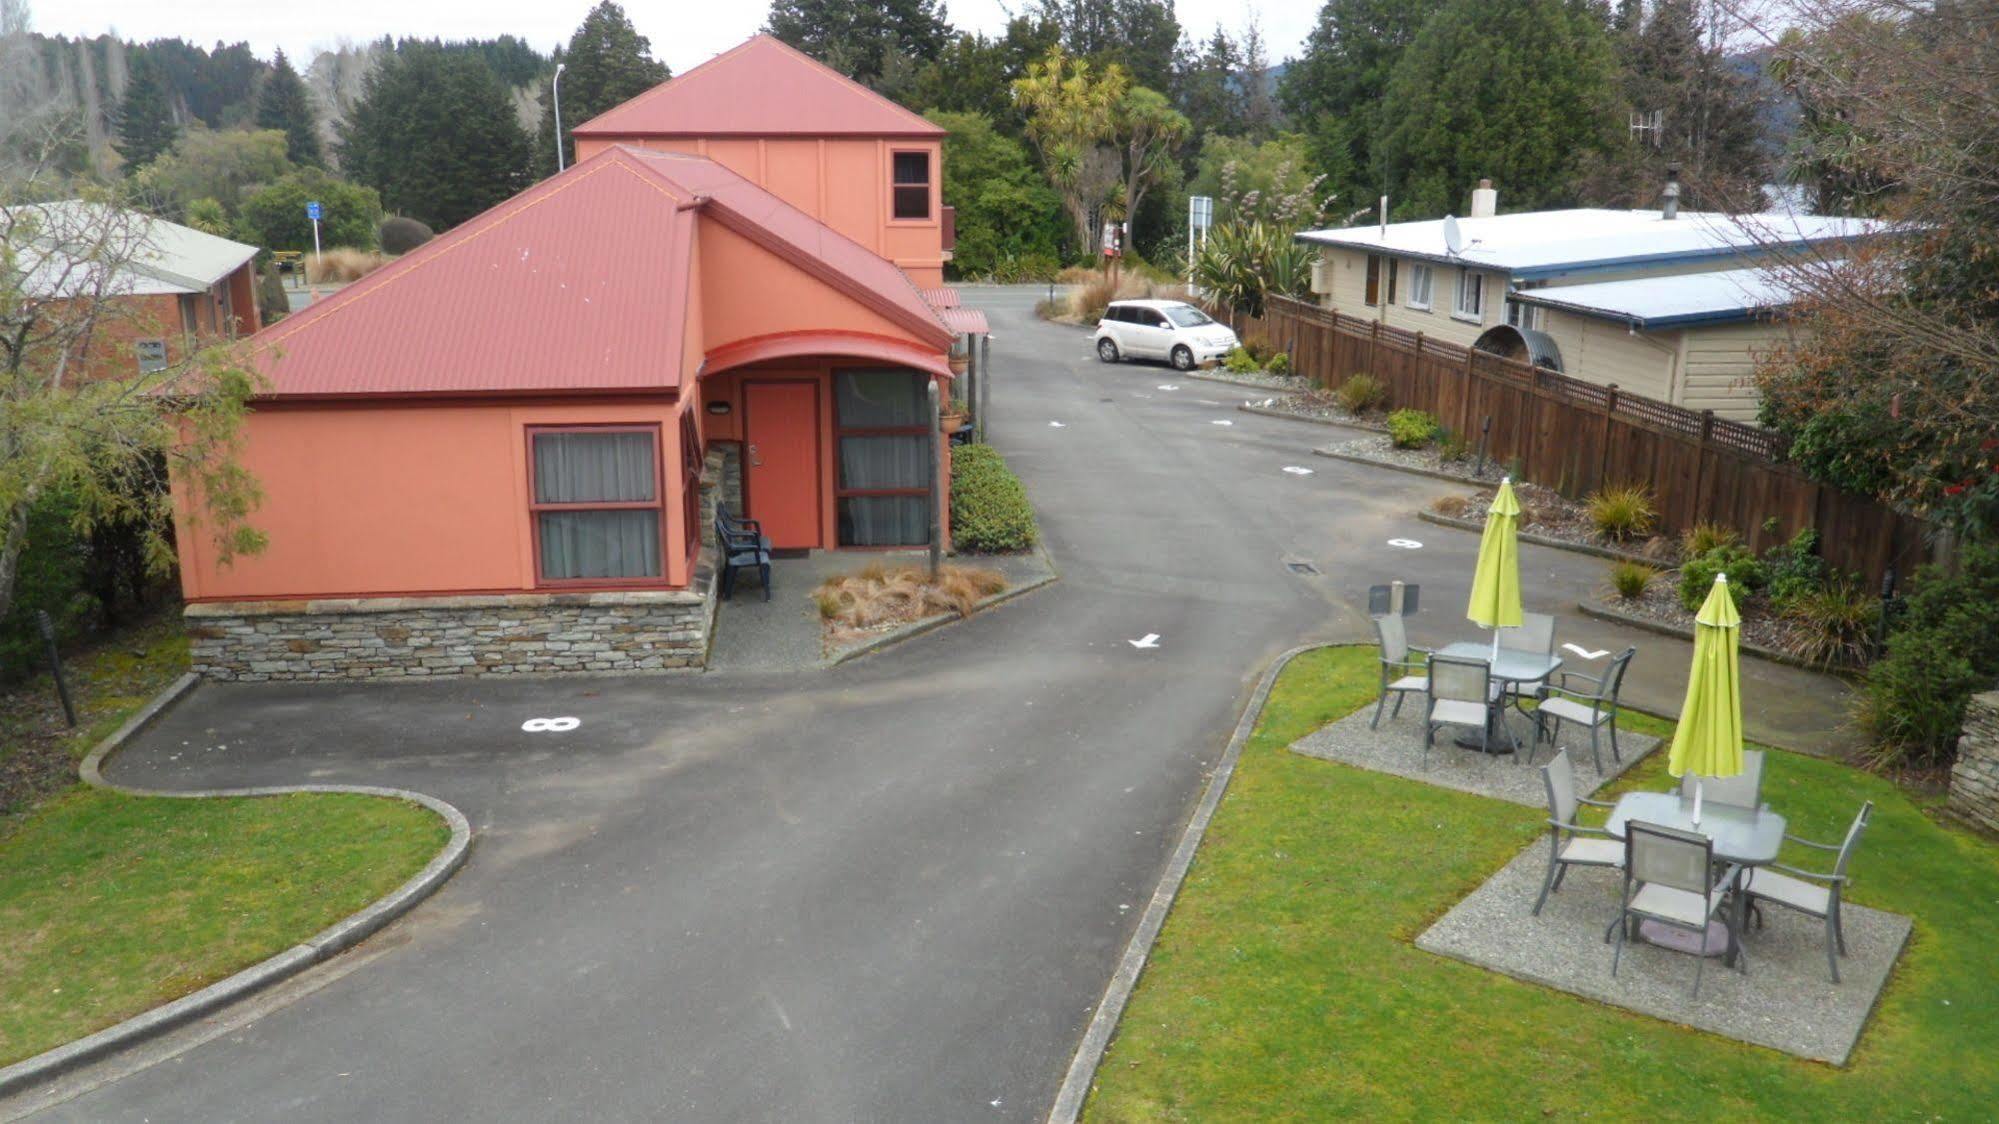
1565 700
1669 879
1571 843
1402 665
1535 636
1459 693
1812 893
1743 790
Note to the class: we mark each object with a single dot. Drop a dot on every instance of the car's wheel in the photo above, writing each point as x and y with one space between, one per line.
1183 358
1107 350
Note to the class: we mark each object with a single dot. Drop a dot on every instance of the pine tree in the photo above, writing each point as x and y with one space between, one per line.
146 126
859 38
1540 101
1334 91
606 64
283 104
435 134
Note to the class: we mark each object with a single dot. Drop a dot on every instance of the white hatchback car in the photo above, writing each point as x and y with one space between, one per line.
1171 330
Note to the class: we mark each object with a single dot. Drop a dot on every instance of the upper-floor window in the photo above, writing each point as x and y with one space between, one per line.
911 185
1419 287
1471 296
1526 317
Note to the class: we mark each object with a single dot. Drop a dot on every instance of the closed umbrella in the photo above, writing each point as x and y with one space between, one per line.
1708 740
1495 586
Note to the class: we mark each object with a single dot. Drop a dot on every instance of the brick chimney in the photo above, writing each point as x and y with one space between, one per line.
1484 201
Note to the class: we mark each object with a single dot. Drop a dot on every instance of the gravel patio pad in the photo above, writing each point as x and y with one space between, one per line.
1786 1001
1397 747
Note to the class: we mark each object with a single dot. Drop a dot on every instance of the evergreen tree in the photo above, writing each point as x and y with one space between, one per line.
146 126
1334 91
1205 87
976 74
861 38
284 105
435 134
1142 36
1540 100
606 64
1708 112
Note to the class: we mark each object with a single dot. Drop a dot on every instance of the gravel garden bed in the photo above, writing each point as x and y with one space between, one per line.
1551 515
1260 380
1660 603
1314 404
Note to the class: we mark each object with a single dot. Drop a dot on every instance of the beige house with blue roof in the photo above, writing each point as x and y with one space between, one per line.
1675 306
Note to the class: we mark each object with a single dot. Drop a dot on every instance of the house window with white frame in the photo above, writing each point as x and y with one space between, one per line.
1526 317
1471 296
1419 287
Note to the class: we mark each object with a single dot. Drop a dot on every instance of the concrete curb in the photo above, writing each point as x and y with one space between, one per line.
1610 553
1432 474
323 945
1268 412
929 624
1604 612
1097 1037
1225 381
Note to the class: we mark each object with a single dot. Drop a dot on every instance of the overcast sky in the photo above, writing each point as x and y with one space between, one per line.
683 32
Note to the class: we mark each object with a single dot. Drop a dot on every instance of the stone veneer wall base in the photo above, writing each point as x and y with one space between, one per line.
622 633
1974 780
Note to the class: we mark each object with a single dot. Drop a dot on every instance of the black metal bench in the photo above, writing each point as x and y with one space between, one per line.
744 546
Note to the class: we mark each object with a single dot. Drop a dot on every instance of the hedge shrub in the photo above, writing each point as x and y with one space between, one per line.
1746 575
989 509
1412 429
1942 650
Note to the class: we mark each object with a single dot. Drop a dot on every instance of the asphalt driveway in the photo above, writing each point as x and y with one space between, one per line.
889 891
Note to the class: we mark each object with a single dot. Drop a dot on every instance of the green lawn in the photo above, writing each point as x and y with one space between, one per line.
112 904
1286 986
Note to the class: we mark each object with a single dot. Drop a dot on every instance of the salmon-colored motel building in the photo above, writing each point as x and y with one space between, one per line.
499 453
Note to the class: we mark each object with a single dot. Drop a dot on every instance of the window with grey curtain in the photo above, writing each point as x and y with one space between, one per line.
884 520
586 468
890 400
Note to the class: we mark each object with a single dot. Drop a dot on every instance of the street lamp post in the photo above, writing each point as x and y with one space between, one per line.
560 164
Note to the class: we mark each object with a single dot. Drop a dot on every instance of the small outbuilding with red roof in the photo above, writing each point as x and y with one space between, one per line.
499 452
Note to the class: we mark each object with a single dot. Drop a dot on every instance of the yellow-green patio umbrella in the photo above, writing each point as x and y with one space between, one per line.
1495 586
1708 740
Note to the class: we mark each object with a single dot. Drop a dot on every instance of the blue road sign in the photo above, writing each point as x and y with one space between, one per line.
312 210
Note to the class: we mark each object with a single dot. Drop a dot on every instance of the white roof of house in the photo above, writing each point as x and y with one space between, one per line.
1661 302
1535 245
149 255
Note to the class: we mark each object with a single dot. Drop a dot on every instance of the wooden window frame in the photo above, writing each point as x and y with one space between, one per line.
1370 285
658 504
929 183
841 430
1468 280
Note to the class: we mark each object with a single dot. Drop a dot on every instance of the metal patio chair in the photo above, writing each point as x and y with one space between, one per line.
1401 672
1811 892
1743 790
1571 843
1536 635
1596 708
1459 694
744 546
1669 879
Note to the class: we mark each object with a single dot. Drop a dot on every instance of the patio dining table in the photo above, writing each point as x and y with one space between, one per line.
1745 837
1511 667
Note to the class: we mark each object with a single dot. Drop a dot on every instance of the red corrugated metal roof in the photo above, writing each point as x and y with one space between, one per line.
964 321
941 298
759 88
576 285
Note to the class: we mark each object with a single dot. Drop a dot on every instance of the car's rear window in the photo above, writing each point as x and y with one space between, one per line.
1187 316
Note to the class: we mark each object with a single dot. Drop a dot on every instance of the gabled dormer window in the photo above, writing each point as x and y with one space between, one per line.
911 185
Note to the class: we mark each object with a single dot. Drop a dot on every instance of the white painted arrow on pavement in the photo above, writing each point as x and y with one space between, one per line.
1151 640
1297 471
1222 421
1586 653
1056 425
1164 386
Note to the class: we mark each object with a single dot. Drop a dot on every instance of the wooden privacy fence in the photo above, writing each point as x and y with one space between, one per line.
1576 437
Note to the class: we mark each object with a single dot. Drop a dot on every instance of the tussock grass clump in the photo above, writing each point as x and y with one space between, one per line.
1630 579
1362 393
879 594
342 264
1705 538
1452 507
1623 513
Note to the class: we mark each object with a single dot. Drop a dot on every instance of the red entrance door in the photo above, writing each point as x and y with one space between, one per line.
781 476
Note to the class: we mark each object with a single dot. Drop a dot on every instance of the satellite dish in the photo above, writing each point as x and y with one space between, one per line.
1454 239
